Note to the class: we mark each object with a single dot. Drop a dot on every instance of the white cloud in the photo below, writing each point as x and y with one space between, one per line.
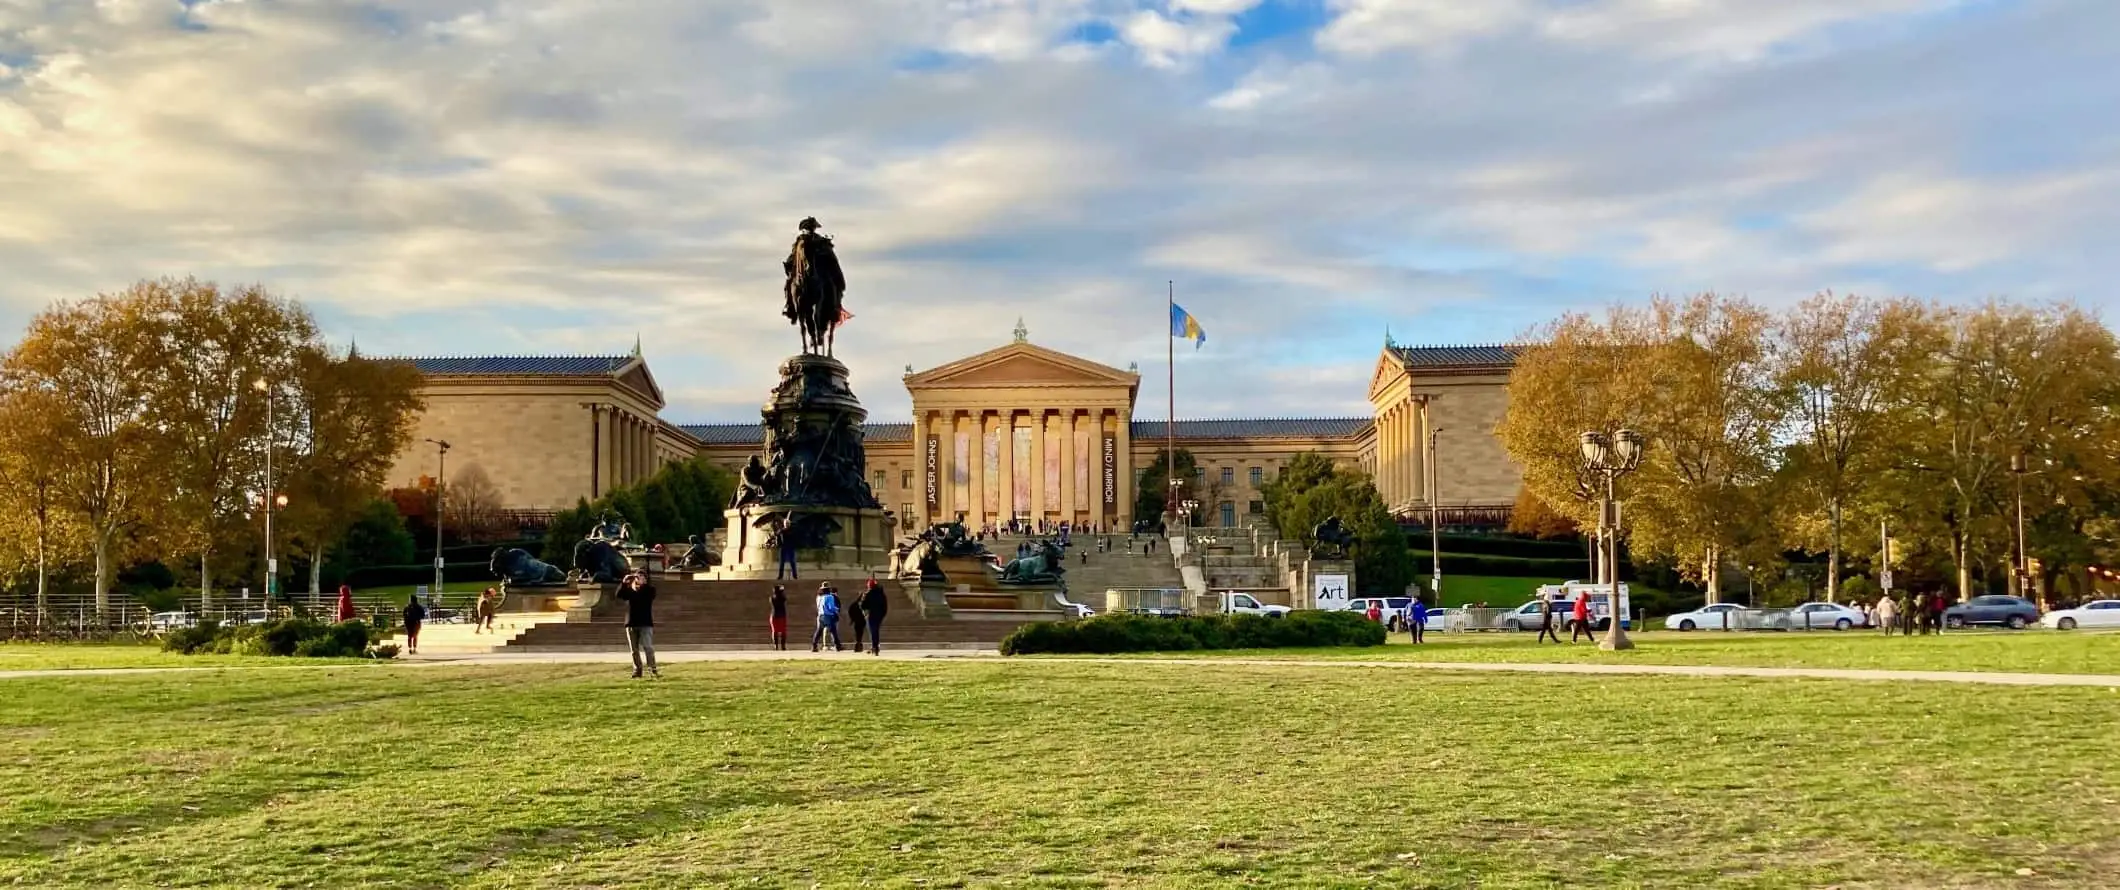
557 175
1167 42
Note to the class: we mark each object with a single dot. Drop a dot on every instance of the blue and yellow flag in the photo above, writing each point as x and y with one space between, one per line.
1185 327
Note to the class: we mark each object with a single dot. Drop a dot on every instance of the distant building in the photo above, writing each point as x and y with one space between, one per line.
1018 431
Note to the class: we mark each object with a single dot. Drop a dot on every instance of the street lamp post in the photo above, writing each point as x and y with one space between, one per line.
1611 457
441 471
266 498
2021 572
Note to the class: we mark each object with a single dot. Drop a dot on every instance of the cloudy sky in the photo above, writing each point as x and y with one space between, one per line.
559 176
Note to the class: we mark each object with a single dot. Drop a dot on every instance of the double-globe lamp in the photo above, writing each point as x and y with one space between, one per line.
1612 457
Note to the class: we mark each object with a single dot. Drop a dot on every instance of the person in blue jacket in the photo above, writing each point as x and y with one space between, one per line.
1417 618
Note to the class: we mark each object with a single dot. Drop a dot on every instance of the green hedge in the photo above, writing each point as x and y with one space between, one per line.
1507 566
1139 633
1501 545
303 637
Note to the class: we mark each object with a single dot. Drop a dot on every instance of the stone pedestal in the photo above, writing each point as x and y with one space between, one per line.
857 544
1328 568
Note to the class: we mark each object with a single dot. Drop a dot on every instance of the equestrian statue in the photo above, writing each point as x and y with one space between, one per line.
814 288
1333 538
1045 564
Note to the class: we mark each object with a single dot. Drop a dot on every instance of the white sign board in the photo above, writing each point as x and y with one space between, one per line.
1329 592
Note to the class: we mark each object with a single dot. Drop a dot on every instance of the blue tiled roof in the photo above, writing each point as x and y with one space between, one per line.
1272 428
754 434
1277 428
524 365
1501 354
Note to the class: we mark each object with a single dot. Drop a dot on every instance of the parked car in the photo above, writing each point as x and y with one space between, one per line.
1394 608
1525 617
2012 612
161 621
1234 603
1820 616
2096 613
1714 616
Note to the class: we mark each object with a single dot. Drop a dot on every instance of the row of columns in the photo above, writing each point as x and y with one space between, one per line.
1044 502
625 447
1402 446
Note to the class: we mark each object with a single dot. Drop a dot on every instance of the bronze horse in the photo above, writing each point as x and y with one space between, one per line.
814 288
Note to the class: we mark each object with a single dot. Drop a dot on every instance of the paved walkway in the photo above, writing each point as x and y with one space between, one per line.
679 657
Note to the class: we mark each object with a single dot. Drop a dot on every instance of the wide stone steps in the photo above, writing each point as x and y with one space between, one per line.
734 613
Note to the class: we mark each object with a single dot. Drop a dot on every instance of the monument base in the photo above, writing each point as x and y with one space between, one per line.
858 546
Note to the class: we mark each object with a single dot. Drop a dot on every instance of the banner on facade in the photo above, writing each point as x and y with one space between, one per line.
933 463
1111 473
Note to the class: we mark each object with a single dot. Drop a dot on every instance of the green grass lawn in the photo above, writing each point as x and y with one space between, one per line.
1496 591
75 656
2010 651
994 773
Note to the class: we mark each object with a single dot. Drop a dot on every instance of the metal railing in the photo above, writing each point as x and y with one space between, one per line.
1148 600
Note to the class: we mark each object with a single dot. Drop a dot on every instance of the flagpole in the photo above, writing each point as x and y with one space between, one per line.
1170 421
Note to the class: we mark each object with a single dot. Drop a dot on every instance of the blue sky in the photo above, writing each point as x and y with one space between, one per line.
561 176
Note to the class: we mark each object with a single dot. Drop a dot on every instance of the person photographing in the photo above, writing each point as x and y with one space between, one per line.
639 597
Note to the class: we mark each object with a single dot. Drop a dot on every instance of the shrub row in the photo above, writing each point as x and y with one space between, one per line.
1140 633
1505 566
1502 545
299 637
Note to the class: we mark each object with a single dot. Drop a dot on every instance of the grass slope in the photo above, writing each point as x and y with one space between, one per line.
1045 775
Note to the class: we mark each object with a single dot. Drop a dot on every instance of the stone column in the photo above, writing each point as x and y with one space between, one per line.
1041 500
1066 420
1005 439
1420 453
610 449
973 425
1385 470
1123 417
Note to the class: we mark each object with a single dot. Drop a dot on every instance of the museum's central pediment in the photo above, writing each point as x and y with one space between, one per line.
1021 364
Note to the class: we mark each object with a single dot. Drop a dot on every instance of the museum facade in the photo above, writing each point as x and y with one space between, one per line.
1019 431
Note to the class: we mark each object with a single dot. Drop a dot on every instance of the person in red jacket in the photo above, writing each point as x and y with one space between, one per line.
345 603
1580 618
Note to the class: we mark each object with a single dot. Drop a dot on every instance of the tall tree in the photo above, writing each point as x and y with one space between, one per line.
473 507
33 427
1843 365
351 417
1150 496
214 354
92 358
2014 380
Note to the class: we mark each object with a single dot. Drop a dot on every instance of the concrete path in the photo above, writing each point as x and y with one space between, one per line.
680 657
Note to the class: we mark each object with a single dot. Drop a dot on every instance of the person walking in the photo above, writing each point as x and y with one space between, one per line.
415 615
1417 618
640 621
827 619
345 610
1937 604
777 620
1887 613
1921 612
1579 618
482 612
855 620
1375 612
875 604
1545 621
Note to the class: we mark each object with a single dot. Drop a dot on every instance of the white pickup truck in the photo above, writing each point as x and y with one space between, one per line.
1234 603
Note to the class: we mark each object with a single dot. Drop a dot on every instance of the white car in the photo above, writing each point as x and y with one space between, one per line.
1245 604
172 620
1714 616
2096 613
1821 616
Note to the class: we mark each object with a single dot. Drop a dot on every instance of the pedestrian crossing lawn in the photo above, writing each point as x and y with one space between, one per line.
1002 773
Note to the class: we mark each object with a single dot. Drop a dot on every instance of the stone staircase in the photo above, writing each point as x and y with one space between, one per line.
1240 558
732 615
1112 569
462 639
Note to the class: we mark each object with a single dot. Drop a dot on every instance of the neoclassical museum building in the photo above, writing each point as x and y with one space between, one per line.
1016 431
